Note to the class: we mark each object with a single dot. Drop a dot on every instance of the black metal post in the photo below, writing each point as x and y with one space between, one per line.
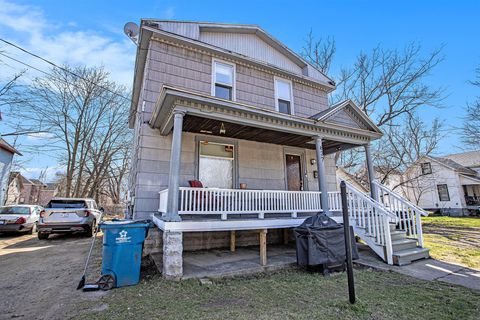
348 242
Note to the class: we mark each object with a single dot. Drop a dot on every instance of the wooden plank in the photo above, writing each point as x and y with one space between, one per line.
232 241
263 247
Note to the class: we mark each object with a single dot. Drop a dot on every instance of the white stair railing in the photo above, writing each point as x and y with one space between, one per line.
374 219
409 215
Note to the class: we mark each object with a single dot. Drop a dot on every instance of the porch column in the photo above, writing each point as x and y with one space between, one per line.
322 183
172 267
174 175
371 172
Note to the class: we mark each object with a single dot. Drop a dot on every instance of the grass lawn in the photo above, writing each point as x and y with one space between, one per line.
291 294
453 239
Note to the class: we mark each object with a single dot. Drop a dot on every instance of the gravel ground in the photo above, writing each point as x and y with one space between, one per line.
38 278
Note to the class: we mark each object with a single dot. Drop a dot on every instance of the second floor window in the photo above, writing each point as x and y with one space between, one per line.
283 96
443 194
426 168
223 80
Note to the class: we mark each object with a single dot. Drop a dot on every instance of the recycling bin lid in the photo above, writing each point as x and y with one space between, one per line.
115 223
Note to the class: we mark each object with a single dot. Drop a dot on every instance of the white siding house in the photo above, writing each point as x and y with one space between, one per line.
447 184
6 157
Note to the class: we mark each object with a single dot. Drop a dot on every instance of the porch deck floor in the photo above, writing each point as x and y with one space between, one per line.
217 263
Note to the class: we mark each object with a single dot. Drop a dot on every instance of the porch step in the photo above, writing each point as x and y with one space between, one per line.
406 256
398 235
403 244
393 227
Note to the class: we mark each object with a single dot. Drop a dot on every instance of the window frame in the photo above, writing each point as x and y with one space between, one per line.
290 83
214 78
429 166
438 192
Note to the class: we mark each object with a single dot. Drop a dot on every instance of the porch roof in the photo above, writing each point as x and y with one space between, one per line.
206 114
469 180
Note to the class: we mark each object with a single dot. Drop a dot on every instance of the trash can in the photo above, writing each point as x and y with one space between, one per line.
122 252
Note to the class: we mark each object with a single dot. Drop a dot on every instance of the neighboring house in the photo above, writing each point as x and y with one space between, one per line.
6 157
234 137
449 184
22 190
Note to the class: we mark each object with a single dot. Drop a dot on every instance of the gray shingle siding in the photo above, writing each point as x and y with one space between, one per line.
260 165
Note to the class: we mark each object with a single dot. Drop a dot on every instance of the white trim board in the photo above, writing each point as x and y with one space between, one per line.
234 77
227 225
292 104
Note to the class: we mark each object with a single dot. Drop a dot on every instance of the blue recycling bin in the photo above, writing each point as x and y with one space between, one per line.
122 251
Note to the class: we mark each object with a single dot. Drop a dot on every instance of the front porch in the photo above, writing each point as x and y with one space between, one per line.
471 192
220 125
257 170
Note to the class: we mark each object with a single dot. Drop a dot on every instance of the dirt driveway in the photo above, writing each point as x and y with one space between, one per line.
38 279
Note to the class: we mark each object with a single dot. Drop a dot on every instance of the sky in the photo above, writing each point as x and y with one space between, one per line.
91 32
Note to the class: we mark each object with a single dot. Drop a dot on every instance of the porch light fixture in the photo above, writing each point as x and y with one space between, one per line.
222 129
313 162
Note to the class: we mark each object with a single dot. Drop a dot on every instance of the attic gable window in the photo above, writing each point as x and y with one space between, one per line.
223 82
426 168
283 96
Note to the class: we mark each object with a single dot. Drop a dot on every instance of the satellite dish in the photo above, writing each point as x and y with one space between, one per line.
131 30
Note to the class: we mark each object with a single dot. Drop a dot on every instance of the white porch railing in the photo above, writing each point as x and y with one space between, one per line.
408 214
204 201
334 201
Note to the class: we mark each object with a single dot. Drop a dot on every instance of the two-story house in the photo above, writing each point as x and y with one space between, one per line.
22 190
234 137
448 184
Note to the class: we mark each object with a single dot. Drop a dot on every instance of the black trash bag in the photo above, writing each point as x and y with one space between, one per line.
320 241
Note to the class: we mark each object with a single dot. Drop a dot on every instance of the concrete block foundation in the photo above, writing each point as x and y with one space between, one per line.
172 255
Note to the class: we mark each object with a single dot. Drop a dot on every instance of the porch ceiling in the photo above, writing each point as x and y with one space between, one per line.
212 127
204 113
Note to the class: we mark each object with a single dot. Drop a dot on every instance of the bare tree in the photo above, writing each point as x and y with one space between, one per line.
398 152
470 130
415 184
85 115
388 83
11 95
319 52
389 86
8 90
116 184
404 145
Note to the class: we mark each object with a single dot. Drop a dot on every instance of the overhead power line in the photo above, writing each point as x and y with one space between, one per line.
55 66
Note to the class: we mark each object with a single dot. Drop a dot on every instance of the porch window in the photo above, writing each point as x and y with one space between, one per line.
283 96
215 165
443 194
223 80
426 168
